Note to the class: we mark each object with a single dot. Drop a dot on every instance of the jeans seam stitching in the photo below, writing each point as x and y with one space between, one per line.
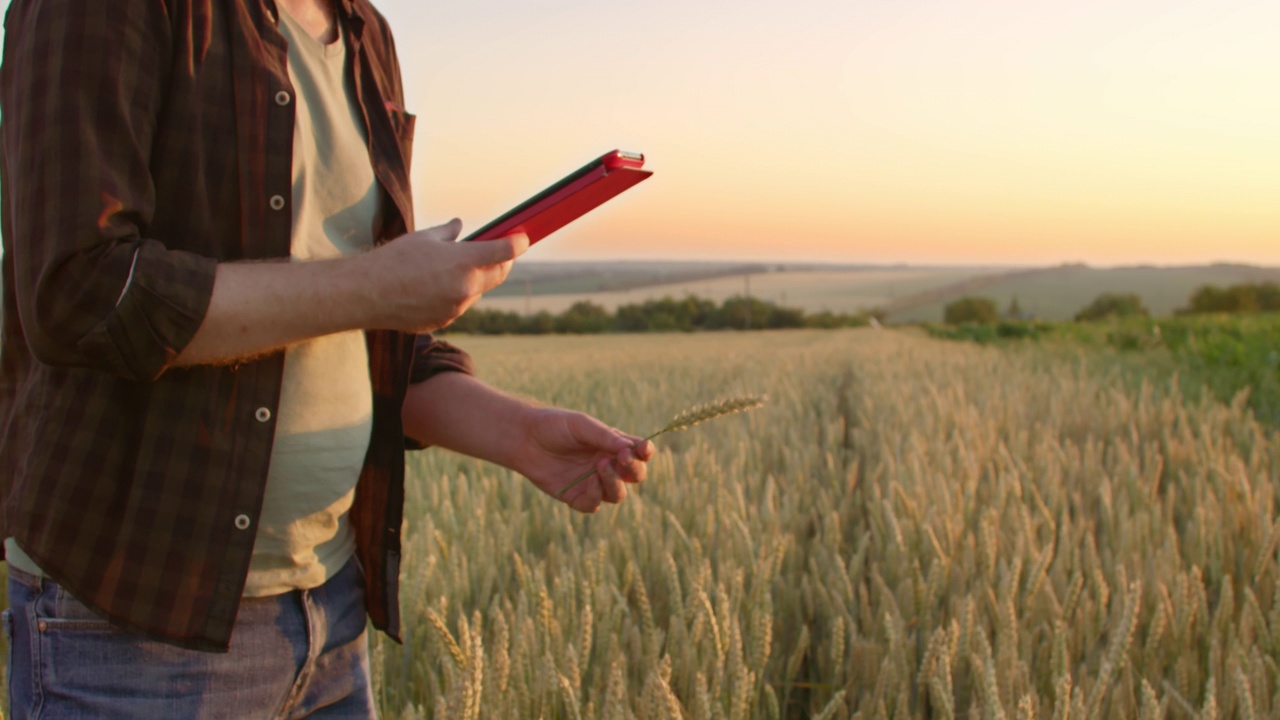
308 664
85 624
35 640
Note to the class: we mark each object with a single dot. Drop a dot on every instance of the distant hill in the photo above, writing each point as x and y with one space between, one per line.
908 293
1058 293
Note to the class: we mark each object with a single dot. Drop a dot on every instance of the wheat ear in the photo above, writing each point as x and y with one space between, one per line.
710 411
687 419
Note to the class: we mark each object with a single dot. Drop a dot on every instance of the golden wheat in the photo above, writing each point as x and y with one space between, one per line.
689 418
852 547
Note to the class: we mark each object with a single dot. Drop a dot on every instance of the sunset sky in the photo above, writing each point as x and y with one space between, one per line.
972 131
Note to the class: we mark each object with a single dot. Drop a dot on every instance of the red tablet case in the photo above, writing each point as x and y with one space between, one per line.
571 198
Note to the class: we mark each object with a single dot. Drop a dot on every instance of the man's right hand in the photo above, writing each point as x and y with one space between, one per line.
427 279
418 282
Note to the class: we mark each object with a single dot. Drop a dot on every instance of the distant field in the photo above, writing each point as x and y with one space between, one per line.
578 278
911 294
812 290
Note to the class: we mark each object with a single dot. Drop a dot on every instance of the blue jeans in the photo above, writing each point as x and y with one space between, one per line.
301 654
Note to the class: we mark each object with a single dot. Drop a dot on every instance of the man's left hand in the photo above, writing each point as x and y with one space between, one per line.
561 446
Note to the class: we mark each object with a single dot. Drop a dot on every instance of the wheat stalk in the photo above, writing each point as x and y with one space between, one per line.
687 419
446 638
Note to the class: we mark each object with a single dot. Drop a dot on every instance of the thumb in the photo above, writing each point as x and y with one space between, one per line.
447 232
590 431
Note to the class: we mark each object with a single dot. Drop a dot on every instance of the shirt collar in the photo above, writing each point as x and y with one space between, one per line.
346 7
352 17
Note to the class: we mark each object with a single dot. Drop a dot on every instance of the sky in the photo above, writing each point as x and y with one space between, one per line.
916 131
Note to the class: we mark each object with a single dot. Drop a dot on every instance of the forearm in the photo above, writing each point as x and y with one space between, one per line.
569 455
461 413
260 307
417 283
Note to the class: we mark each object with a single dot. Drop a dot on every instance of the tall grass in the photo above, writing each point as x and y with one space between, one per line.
1223 354
911 528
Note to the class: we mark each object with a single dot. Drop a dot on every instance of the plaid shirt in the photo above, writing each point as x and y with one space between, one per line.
144 141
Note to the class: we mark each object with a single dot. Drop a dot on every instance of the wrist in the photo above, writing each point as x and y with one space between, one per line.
458 412
366 301
524 419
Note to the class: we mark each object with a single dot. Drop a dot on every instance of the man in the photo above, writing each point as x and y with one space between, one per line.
201 441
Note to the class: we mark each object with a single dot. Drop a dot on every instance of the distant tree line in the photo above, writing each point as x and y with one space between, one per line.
975 310
668 314
1109 306
1241 298
693 313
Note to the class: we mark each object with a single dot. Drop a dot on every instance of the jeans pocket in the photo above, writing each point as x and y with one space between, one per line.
83 666
58 609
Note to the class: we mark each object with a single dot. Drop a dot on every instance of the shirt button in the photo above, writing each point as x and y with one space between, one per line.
282 98
242 522
262 414
277 202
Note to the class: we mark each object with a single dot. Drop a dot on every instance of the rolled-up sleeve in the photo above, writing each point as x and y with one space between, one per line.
432 357
83 88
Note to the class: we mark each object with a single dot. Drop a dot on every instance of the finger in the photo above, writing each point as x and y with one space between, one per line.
632 440
591 433
494 252
630 468
519 243
643 449
587 501
611 488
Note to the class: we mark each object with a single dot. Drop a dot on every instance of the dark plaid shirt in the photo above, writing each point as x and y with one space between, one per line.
144 141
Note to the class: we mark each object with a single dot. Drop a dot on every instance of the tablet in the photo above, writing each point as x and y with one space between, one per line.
569 199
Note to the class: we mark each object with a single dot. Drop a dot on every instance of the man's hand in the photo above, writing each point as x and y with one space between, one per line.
428 279
561 446
416 283
550 446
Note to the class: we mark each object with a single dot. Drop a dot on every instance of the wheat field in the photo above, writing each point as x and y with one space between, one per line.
910 529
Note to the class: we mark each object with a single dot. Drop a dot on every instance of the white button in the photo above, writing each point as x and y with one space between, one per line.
282 98
277 202
262 414
242 522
